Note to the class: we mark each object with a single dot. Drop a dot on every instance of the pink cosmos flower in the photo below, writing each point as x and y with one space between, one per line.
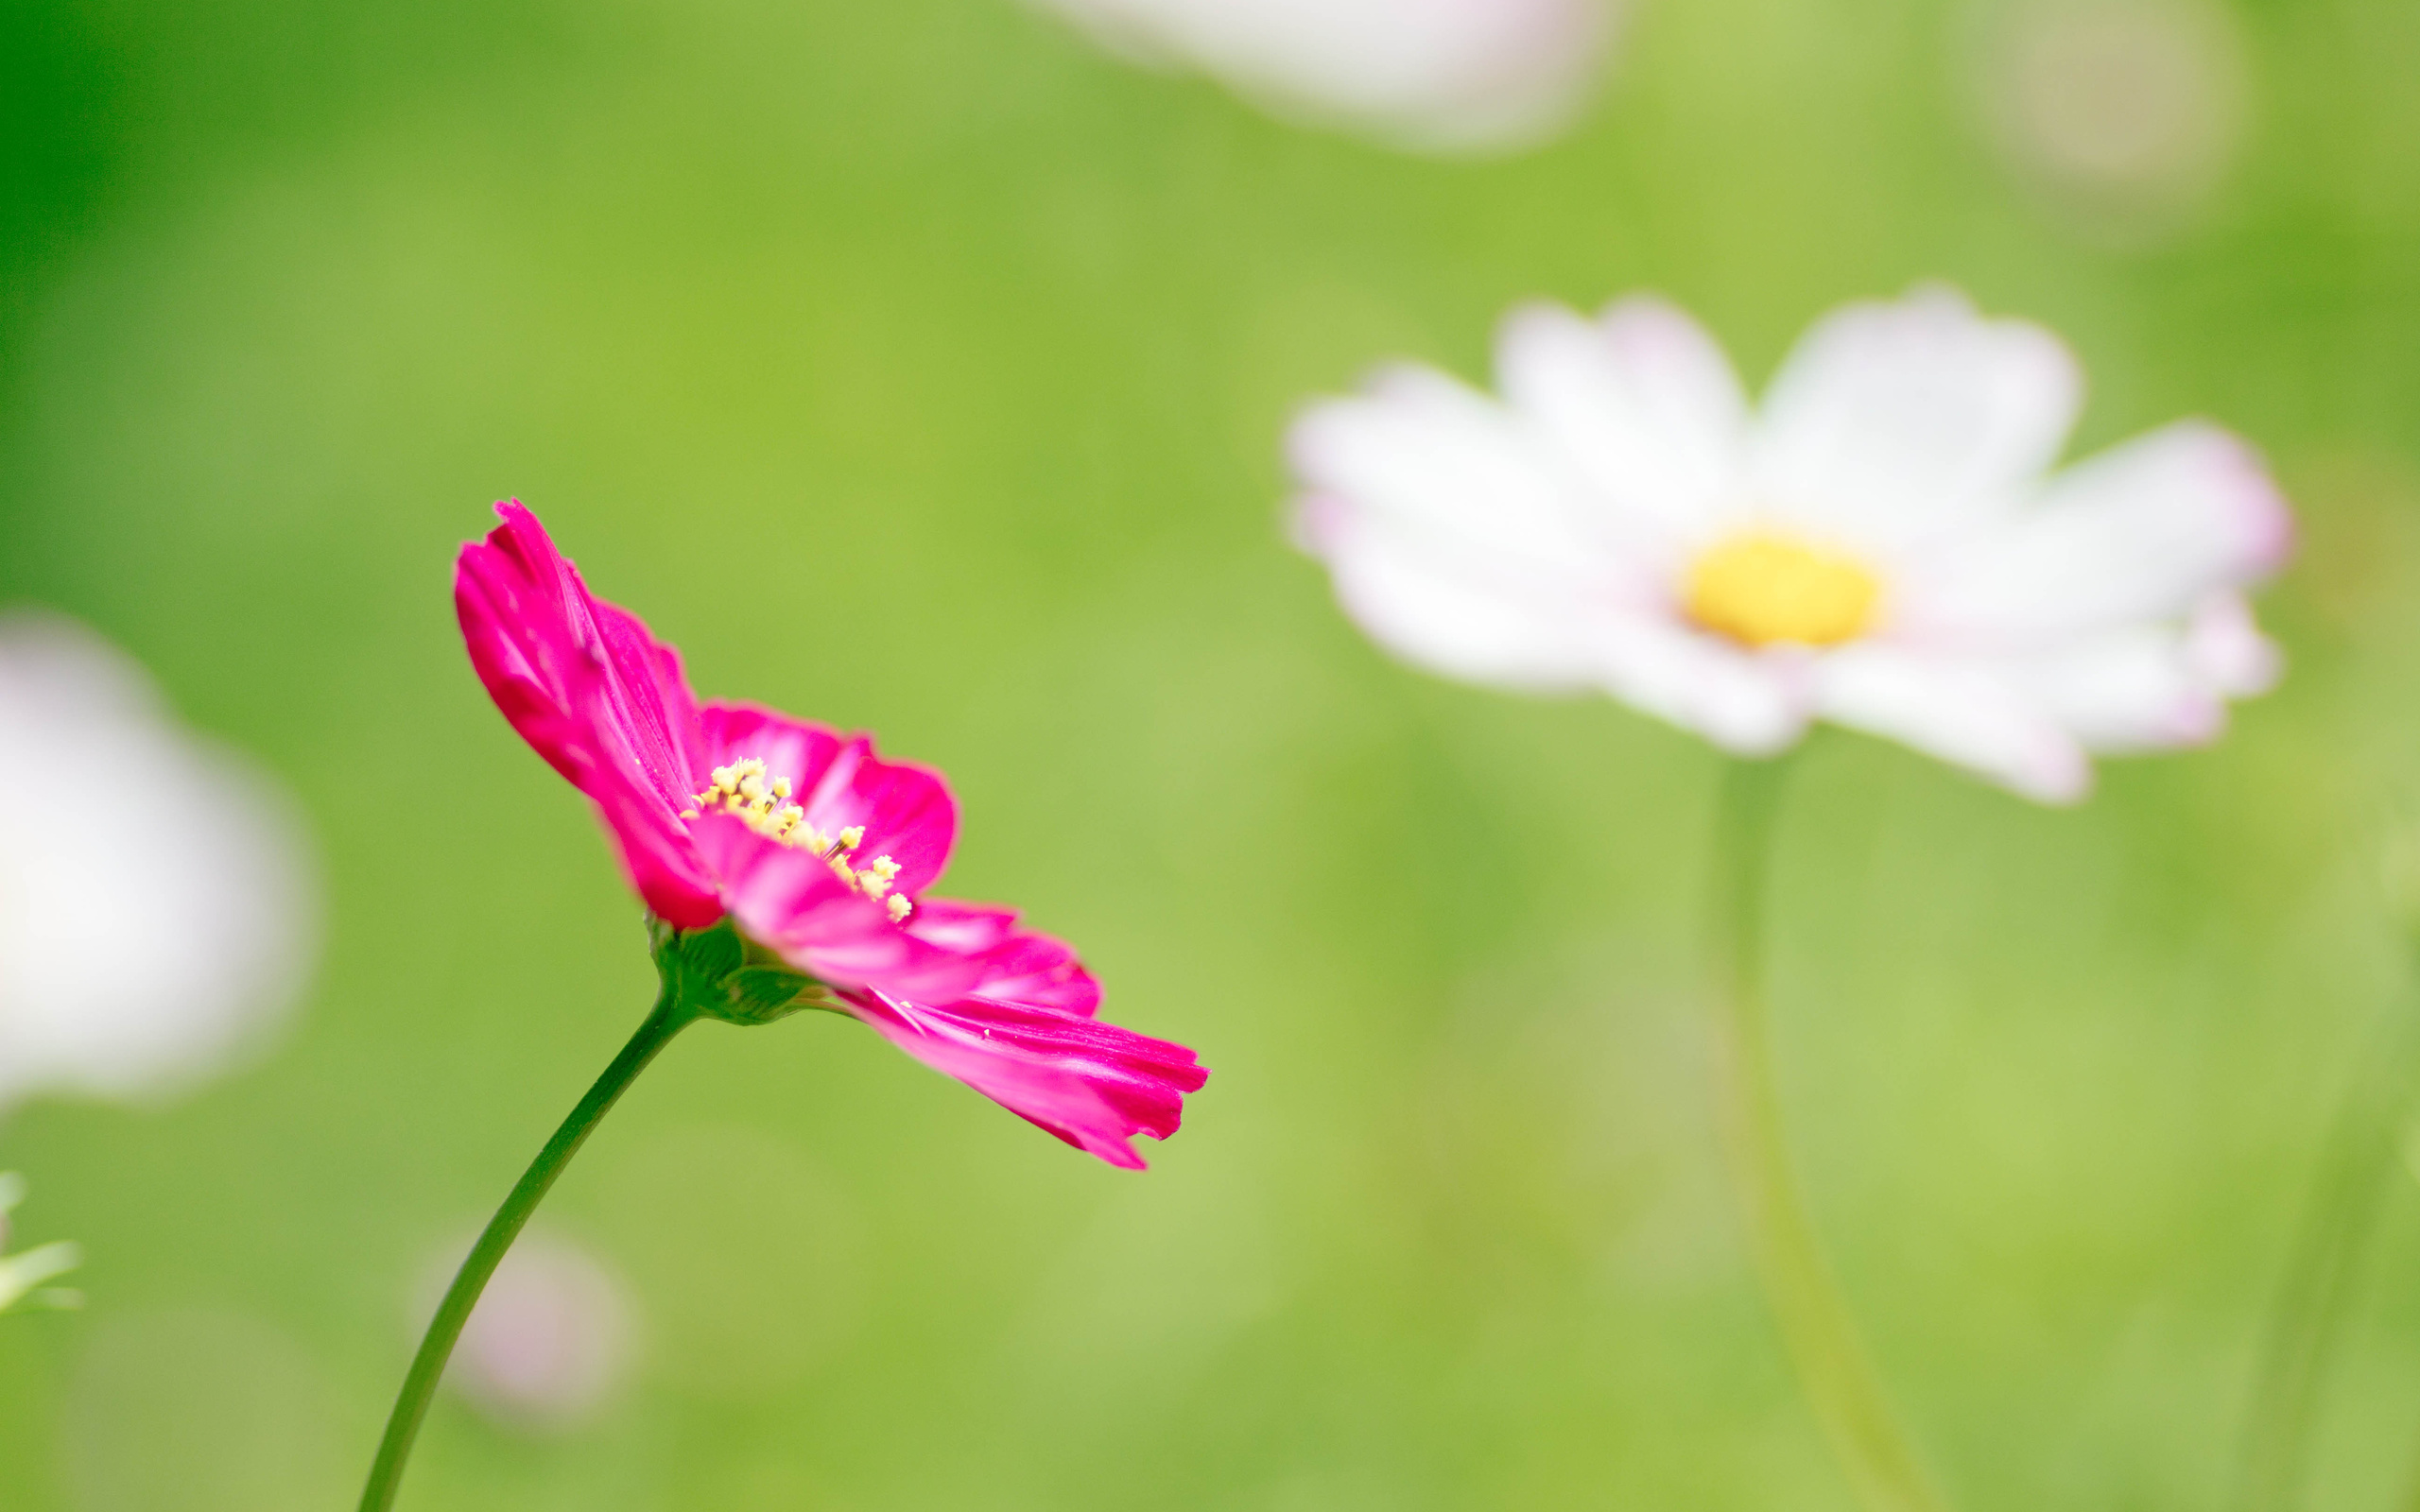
815 849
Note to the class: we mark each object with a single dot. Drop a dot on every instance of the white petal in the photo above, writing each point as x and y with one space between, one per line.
1749 705
2134 689
1892 422
1642 401
2148 530
2226 650
1957 711
2154 687
1473 615
1486 619
1441 462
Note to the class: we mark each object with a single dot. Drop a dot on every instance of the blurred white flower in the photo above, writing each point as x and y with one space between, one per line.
22 1276
549 1340
156 913
1877 544
2123 104
1430 74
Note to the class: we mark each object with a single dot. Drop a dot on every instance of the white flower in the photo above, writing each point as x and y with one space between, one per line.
550 1339
22 1276
1433 74
155 911
1880 543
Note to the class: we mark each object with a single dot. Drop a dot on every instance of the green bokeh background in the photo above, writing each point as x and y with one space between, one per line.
915 367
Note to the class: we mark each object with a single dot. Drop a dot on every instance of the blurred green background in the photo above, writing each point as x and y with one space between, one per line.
915 366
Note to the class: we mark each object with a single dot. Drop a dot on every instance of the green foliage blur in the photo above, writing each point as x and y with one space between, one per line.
916 367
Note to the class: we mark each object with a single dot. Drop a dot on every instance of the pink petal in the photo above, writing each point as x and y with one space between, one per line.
969 929
597 695
1092 1084
907 811
1011 965
1039 971
798 750
788 901
1891 423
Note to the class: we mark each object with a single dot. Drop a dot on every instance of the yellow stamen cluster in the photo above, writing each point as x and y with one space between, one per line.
1760 587
742 791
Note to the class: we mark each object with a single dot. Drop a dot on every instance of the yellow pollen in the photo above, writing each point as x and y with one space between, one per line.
874 878
742 791
1759 587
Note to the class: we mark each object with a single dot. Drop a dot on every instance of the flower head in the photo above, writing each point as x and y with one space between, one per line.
1428 75
155 894
788 864
1880 543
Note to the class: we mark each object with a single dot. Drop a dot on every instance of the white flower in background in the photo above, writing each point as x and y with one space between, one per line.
2127 104
22 1276
1431 75
155 907
1880 543
548 1341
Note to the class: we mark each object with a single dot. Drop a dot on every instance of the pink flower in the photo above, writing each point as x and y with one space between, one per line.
815 849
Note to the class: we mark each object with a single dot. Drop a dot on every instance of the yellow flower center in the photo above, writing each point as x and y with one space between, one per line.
1760 587
742 791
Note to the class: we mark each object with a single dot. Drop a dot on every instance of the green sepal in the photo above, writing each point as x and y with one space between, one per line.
715 973
760 994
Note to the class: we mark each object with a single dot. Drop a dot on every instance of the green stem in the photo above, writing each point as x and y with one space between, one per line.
2324 1263
670 1016
1839 1380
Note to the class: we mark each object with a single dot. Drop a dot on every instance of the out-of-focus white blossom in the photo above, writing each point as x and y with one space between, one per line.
1880 543
1430 74
2126 107
156 907
548 1341
22 1276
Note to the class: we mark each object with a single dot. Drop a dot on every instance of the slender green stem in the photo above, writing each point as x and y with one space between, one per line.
1834 1371
669 1018
2325 1262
